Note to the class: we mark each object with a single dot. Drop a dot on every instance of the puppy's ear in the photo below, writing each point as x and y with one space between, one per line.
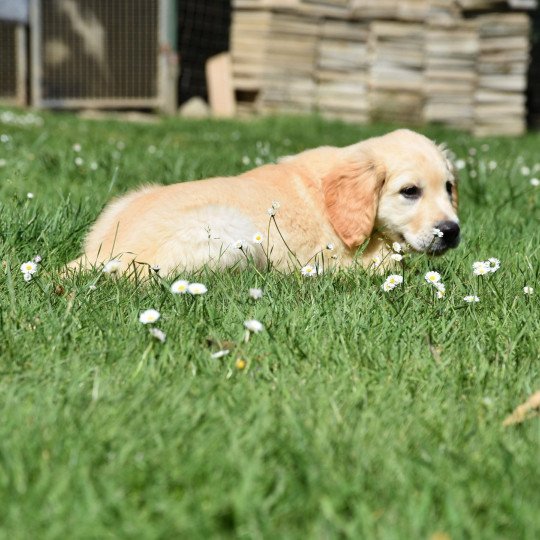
351 194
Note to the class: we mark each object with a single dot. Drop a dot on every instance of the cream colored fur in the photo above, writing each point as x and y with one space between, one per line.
328 195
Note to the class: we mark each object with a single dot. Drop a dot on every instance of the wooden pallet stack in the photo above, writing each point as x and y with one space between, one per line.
462 63
342 70
396 71
291 59
451 53
499 99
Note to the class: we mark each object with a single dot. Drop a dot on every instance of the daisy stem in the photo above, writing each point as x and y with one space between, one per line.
286 245
38 283
315 256
268 244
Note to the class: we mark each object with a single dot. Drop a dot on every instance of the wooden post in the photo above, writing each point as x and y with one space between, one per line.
220 85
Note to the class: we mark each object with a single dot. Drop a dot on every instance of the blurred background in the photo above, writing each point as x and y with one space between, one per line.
468 64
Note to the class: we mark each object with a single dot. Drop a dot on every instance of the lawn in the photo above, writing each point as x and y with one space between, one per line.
359 413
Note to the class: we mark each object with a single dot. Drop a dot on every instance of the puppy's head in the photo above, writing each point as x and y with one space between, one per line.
401 184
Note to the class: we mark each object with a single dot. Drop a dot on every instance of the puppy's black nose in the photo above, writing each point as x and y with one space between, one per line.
450 230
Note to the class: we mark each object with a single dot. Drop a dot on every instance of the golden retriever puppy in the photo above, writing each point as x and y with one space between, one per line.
393 188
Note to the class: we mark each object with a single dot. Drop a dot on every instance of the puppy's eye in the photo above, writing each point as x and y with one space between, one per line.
411 192
449 188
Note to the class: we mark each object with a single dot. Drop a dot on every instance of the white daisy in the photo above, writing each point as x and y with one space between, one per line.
29 267
535 182
330 247
528 290
254 326
396 257
275 205
492 165
180 286
239 244
151 149
158 334
94 166
76 147
437 232
258 238
112 266
440 286
376 261
471 298
481 268
30 195
92 287
246 160
386 287
27 277
396 246
197 288
79 161
441 289
525 171
256 294
220 354
309 270
432 277
37 259
149 316
460 164
493 264
392 281
271 211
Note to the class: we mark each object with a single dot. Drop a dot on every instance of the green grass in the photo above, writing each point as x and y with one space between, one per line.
360 414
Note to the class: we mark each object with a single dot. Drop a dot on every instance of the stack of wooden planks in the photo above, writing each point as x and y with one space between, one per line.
450 62
499 99
462 63
396 71
290 83
342 70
